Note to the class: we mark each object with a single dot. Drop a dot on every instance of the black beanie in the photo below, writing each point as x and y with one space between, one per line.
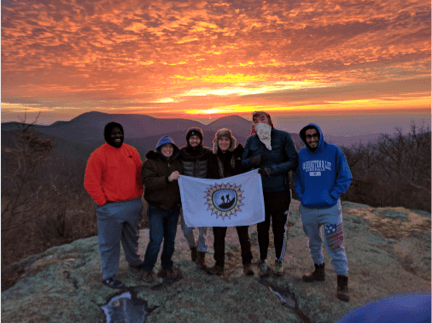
107 131
194 131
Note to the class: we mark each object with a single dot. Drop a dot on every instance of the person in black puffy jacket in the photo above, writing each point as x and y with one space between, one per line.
194 157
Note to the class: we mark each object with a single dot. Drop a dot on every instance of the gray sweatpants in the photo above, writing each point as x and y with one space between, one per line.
331 218
118 222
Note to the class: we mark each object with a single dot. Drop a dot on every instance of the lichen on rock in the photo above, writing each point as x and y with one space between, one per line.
63 284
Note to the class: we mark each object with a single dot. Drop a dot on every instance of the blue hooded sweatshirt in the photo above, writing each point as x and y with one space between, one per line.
321 176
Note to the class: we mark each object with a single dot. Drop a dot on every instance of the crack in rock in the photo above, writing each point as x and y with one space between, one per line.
288 299
73 281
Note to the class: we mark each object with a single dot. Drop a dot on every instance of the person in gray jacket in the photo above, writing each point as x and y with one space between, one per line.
272 151
194 157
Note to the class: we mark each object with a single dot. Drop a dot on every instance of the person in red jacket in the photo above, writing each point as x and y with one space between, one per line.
113 180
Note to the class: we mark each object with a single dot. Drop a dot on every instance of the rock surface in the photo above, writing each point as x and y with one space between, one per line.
388 252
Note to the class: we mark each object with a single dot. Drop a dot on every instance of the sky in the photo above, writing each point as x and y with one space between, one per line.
207 59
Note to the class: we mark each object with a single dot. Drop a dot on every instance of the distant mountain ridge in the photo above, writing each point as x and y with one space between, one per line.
88 127
143 132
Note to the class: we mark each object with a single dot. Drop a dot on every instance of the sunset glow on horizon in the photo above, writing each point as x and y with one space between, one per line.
208 59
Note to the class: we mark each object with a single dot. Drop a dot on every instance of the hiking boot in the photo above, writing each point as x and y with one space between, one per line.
215 270
264 271
147 276
113 283
342 288
317 275
247 269
278 268
200 261
173 273
194 252
162 273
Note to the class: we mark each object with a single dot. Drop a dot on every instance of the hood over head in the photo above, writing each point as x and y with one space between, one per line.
107 132
321 136
165 140
224 132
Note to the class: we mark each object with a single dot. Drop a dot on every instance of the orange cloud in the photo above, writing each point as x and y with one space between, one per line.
110 54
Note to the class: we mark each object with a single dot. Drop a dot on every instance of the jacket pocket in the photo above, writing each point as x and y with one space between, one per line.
317 198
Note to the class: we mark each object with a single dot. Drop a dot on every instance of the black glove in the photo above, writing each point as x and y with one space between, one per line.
259 159
265 171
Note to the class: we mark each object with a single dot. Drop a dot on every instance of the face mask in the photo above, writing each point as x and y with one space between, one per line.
264 134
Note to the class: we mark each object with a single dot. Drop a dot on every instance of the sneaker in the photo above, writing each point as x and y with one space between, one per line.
113 283
278 268
147 276
247 270
263 268
215 270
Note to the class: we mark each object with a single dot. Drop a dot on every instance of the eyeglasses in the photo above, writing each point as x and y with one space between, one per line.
316 136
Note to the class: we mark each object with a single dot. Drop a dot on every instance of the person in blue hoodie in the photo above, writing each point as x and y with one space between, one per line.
274 153
321 177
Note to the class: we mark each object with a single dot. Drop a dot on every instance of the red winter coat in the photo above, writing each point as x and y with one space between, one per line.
113 174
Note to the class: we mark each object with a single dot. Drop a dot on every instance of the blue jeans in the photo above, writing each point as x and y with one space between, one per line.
163 226
190 238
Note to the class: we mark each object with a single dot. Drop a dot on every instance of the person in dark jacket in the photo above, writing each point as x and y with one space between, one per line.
160 173
113 180
273 152
194 157
322 176
226 162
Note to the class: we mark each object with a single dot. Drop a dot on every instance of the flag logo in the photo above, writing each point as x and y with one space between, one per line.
224 200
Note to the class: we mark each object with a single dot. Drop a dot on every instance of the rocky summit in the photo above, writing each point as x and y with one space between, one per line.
388 250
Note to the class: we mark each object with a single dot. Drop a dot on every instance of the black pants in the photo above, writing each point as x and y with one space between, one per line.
276 204
219 244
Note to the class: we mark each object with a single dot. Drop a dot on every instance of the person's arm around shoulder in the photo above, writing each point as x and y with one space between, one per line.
291 155
343 175
93 179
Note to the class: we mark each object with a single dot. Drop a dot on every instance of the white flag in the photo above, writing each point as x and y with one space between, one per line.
233 201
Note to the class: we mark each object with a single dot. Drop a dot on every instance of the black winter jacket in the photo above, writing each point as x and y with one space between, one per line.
221 164
195 161
158 191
